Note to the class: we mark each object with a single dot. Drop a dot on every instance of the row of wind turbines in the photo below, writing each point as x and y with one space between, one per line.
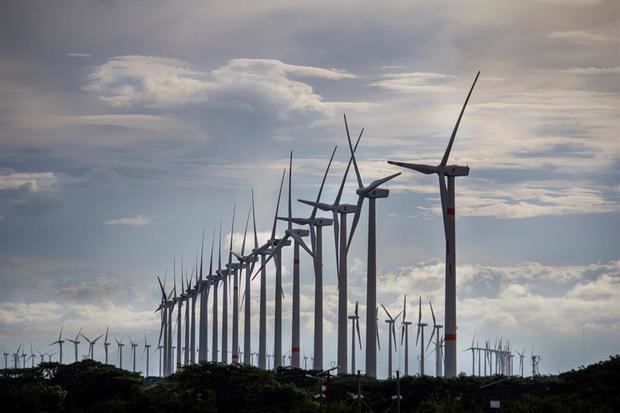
241 269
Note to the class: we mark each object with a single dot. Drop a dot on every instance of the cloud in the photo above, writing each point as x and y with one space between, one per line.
414 82
136 221
593 70
32 181
158 82
75 54
582 36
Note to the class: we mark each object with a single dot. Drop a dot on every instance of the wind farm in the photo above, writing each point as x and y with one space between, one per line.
254 208
192 336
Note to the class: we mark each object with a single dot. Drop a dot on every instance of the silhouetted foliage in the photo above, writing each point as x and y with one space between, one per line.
89 386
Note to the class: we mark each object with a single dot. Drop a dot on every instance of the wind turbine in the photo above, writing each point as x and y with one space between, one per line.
225 276
521 357
187 319
247 317
237 268
204 288
270 247
421 326
438 343
391 321
163 330
106 344
147 348
444 170
24 357
6 358
59 342
473 356
91 345
355 327
316 225
193 295
16 358
215 280
49 357
339 212
179 301
297 234
120 345
32 356
372 192
133 354
404 335
76 342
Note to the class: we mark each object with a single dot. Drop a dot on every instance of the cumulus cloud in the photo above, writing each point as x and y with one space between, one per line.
135 221
158 82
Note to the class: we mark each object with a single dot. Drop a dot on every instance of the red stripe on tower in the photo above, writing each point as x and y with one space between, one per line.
451 211
451 337
295 349
296 261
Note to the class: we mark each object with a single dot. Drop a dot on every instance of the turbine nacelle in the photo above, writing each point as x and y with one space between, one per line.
375 193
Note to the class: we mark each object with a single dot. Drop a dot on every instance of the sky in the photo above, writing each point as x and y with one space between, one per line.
129 127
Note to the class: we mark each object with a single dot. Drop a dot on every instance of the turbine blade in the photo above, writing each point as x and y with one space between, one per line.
245 232
346 172
432 313
360 183
275 217
336 225
290 202
318 197
254 221
425 169
444 160
379 182
359 337
356 218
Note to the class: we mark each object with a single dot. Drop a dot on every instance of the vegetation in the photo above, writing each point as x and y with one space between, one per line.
89 386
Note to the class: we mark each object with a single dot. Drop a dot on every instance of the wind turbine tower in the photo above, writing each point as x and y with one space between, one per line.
372 192
420 334
447 196
355 328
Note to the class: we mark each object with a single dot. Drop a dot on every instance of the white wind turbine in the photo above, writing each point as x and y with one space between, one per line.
316 225
205 288
473 355
420 334
91 345
391 321
187 314
271 248
521 357
59 342
339 213
76 342
355 327
237 271
16 357
249 261
225 274
372 192
179 302
447 196
106 344
215 279
120 345
147 349
438 343
404 336
133 354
